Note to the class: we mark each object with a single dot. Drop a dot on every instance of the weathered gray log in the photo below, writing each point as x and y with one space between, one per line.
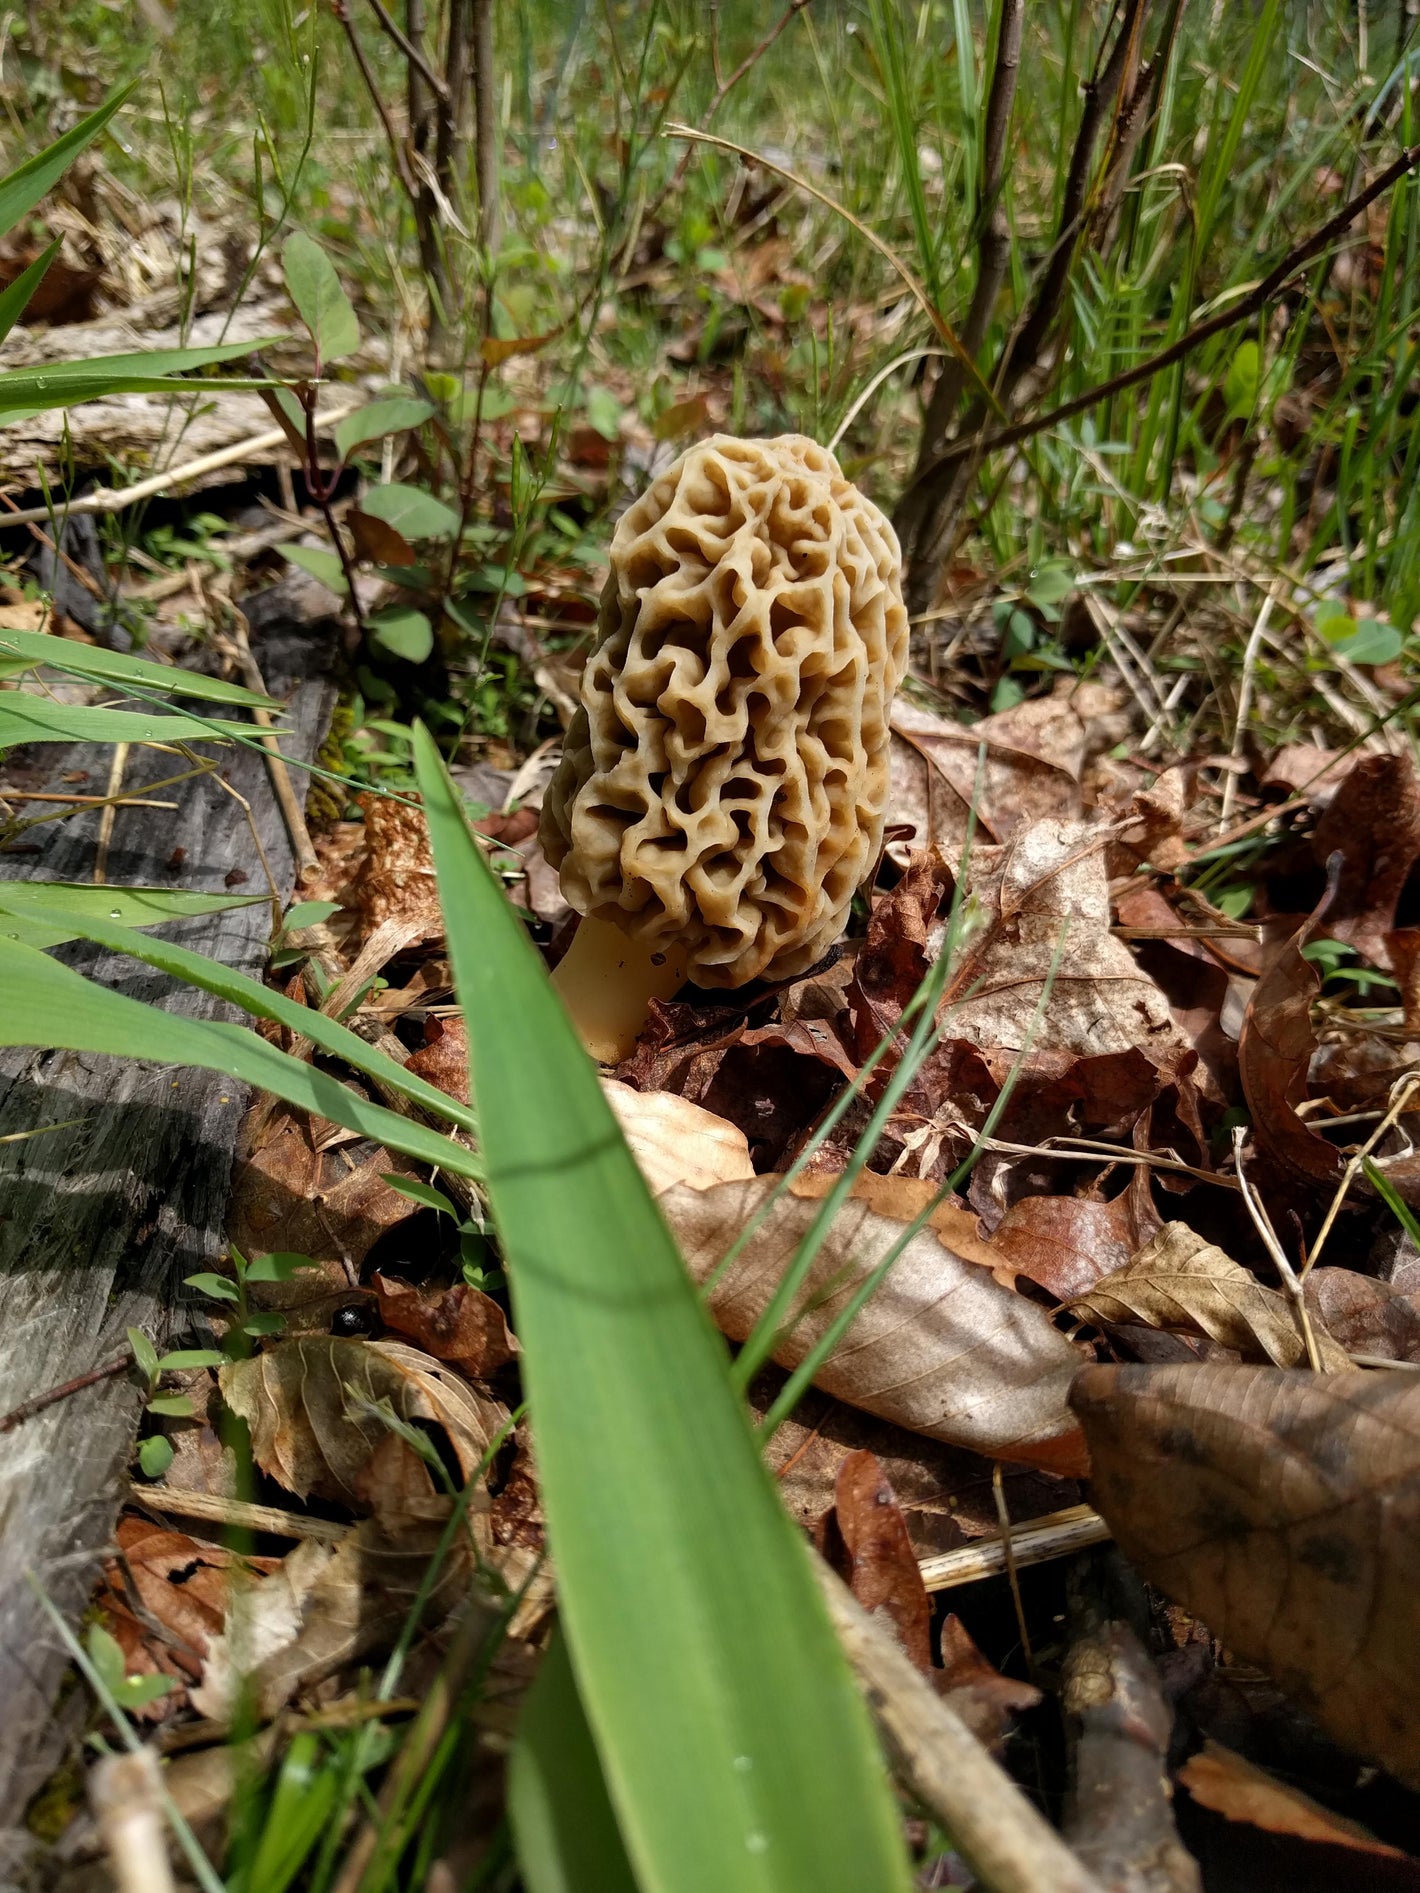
100 1222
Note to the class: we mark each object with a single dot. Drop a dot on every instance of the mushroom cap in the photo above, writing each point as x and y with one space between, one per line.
724 781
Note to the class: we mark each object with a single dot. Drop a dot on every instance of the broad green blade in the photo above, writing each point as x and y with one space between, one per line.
735 1747
23 188
62 384
63 903
566 1832
15 299
53 1007
196 969
27 719
321 303
38 647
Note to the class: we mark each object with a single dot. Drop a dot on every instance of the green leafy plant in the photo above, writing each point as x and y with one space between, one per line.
155 1454
473 1235
128 1692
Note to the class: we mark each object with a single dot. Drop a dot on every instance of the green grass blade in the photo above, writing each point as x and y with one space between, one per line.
27 719
196 969
64 902
566 1832
24 187
57 1009
62 384
736 1750
16 297
83 660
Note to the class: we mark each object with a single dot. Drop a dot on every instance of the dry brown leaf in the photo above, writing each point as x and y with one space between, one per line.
459 1324
865 1540
1184 1285
983 1698
313 1408
1034 755
1373 822
1047 894
287 1195
1282 1509
675 1141
1066 1244
1231 1786
1274 1056
941 1348
1365 1315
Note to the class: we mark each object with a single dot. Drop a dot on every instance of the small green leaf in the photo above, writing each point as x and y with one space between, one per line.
145 1354
1243 379
322 565
423 1193
320 302
279 1266
604 412
378 418
403 632
174 1406
308 913
155 1455
264 1324
106 1656
1371 643
185 1357
215 1286
418 515
134 1691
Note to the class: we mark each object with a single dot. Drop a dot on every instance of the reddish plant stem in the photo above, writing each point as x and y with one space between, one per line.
27 1409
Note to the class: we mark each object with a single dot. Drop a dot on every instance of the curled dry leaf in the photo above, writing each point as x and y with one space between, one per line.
1373 822
941 1348
1065 1244
1034 755
313 1407
1047 894
675 1141
1275 1053
288 1195
459 1324
865 1540
983 1698
1185 1285
1219 1779
1283 1510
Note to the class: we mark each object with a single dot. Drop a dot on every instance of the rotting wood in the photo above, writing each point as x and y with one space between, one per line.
100 1222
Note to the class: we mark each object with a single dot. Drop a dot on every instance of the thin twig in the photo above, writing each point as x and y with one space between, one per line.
1008 1551
107 499
213 1509
1262 1222
397 152
1038 1541
1251 653
1404 1091
307 861
27 1409
1008 1844
392 30
117 766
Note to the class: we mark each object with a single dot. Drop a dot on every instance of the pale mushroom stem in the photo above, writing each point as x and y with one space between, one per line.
607 981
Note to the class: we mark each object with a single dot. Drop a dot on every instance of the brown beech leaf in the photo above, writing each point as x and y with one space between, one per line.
865 1540
675 1141
983 1698
1219 1779
323 1607
442 1059
313 1404
1366 1316
1282 1509
941 1348
1034 755
1047 894
1275 1052
459 1324
1066 1244
1373 822
377 541
287 1195
1185 1285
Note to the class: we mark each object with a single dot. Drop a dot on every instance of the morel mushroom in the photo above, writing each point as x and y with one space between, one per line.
721 791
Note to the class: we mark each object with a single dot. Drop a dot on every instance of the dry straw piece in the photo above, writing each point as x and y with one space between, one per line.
721 793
